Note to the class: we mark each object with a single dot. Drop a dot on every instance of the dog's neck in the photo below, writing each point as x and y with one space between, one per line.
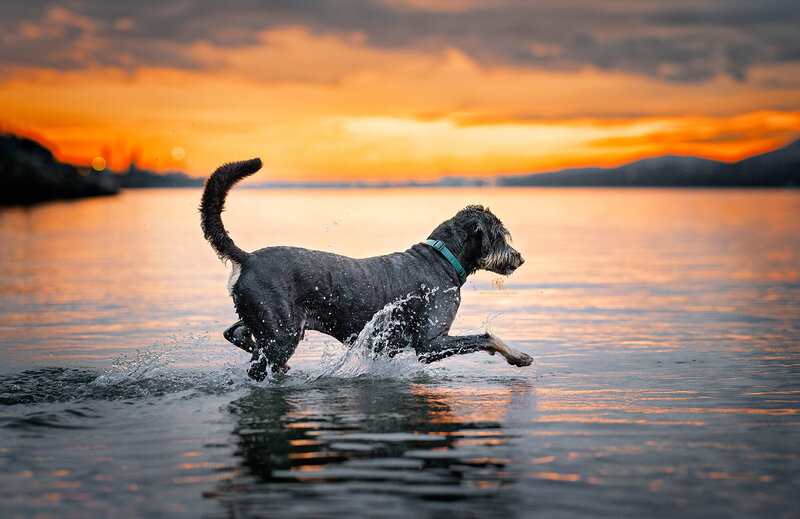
444 251
461 249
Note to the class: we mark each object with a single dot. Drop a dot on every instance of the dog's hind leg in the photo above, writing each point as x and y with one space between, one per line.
275 344
445 346
239 335
272 353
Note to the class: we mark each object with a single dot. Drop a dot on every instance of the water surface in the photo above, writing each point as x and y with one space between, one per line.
665 325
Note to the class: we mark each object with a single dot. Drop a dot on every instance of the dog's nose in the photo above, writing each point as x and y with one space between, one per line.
521 261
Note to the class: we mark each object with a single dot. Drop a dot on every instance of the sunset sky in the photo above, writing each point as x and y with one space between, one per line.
396 89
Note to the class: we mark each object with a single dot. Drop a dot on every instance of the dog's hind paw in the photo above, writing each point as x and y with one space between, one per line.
281 370
240 336
257 371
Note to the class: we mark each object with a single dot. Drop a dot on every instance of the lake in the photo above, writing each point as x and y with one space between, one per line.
665 327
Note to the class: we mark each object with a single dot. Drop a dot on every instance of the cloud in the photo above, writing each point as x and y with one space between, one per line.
677 41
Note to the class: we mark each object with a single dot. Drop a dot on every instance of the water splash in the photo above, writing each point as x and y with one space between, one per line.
360 361
363 357
145 363
485 327
183 361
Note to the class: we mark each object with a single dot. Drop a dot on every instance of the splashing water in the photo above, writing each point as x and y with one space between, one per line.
146 363
182 362
359 360
362 358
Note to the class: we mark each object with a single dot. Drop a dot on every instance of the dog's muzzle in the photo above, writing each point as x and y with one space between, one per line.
516 262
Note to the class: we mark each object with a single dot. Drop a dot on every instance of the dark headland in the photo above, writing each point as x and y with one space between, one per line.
29 173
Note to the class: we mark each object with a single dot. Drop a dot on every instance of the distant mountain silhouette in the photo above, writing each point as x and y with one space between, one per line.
29 173
779 168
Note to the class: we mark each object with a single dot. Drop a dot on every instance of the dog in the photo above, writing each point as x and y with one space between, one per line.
279 292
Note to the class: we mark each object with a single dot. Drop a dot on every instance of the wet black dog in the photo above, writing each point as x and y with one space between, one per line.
280 292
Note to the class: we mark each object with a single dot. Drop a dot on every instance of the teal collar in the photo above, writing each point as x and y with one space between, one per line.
442 248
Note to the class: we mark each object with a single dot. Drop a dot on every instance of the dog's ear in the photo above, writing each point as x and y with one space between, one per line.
483 235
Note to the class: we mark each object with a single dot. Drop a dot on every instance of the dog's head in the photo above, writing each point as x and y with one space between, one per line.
480 240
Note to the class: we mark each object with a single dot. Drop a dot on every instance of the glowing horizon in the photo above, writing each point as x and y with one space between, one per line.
331 103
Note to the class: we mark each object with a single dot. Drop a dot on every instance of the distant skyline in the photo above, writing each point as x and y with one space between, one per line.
399 89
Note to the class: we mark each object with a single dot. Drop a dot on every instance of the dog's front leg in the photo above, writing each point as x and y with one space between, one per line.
445 346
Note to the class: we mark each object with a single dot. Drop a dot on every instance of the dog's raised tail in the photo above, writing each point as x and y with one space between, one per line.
213 203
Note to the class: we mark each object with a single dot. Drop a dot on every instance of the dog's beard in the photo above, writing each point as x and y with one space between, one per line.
503 261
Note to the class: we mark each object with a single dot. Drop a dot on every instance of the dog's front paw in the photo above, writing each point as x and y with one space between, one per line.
512 356
519 359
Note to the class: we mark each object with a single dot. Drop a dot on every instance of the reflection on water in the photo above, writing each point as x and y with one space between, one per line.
338 446
665 326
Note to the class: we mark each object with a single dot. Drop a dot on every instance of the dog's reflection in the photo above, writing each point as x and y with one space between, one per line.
398 435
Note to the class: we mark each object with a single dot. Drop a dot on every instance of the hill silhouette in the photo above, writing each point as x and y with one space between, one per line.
779 168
